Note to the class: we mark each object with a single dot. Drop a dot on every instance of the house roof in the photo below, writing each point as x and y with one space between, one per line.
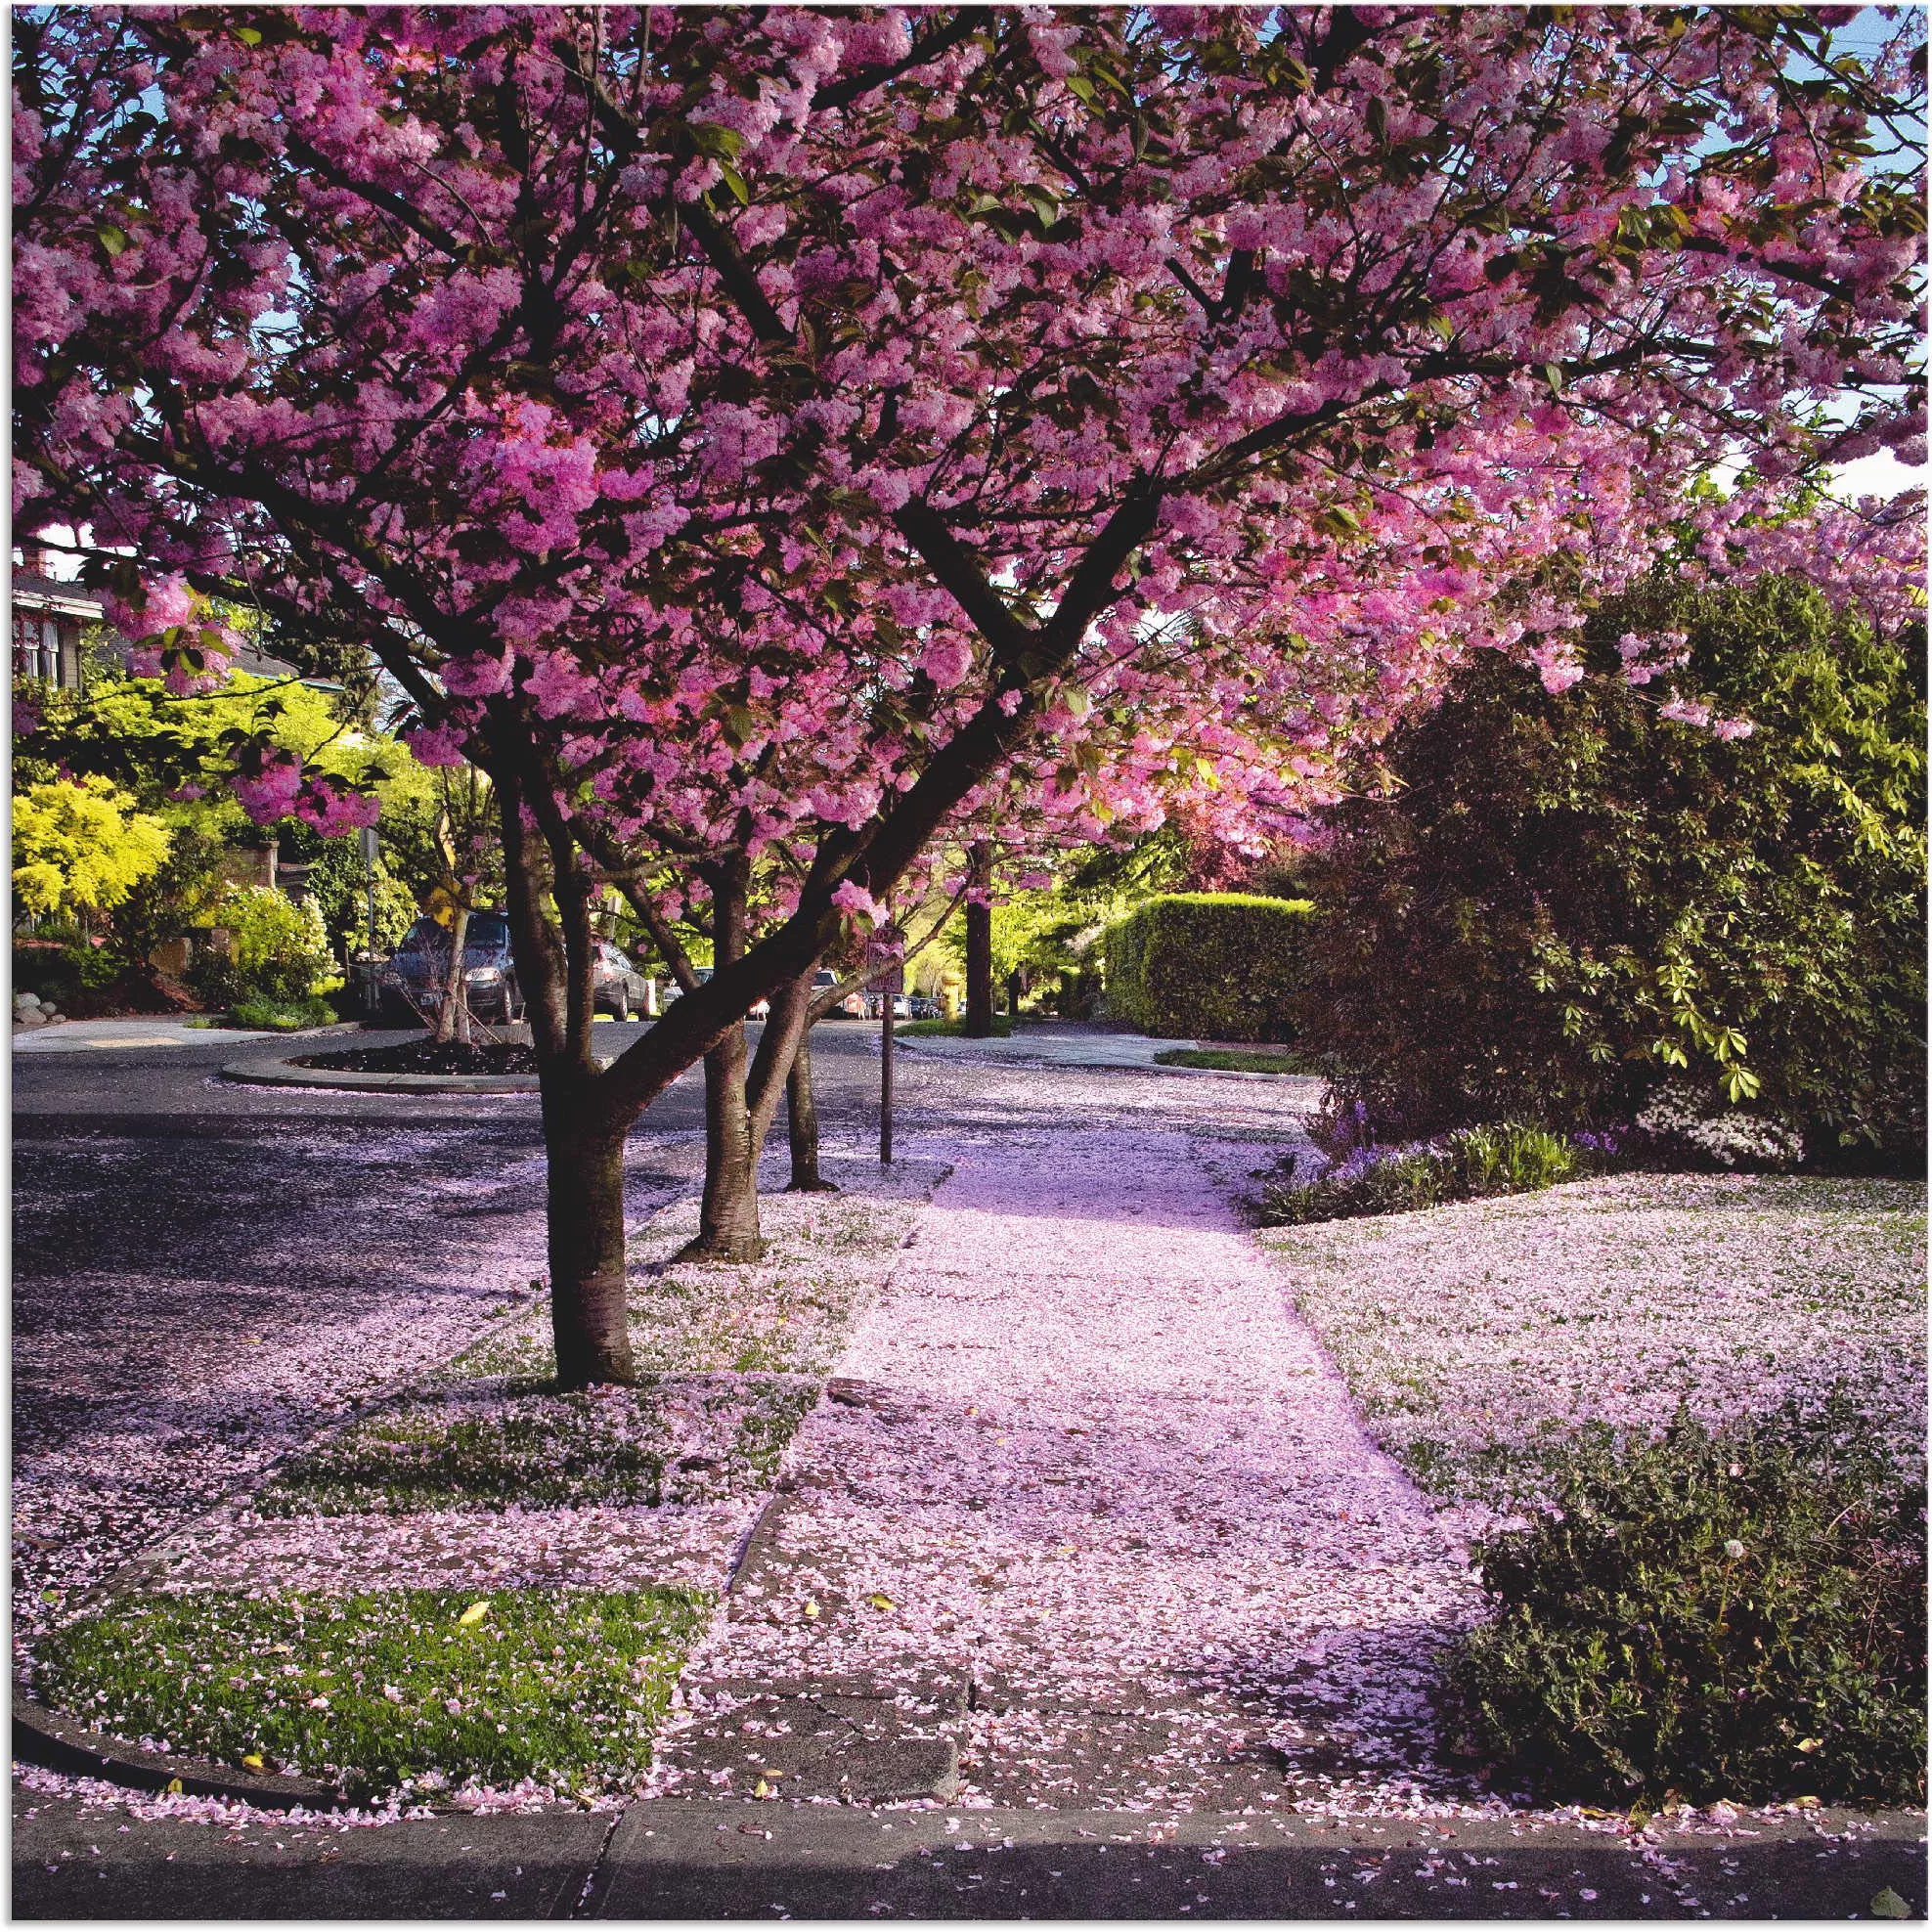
56 597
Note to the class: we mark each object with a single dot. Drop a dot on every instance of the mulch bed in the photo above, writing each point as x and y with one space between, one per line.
421 1056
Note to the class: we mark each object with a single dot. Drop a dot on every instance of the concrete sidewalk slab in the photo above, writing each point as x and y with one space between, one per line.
160 1029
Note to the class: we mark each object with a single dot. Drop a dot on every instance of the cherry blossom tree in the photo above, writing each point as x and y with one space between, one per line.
747 431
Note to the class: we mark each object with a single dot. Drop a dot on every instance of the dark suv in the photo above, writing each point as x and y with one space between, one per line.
414 980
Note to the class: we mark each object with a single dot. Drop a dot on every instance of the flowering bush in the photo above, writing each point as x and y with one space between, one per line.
1734 1614
1509 1158
1679 1124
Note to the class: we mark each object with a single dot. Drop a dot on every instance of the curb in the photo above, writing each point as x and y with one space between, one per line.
44 1738
917 1045
286 1074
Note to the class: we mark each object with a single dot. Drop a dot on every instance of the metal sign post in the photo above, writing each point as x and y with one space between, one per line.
890 986
370 854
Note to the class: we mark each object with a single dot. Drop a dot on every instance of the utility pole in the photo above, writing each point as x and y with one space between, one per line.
979 946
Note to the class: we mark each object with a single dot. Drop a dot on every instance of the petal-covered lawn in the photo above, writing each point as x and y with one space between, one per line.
471 1479
1476 1336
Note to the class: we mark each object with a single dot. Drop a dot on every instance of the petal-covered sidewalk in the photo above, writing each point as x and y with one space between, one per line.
1102 1477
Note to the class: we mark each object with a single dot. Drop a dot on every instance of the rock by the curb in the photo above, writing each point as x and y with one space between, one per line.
45 1738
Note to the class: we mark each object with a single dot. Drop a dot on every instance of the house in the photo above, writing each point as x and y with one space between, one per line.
52 617
49 619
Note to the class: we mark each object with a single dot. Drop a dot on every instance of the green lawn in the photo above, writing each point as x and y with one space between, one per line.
1221 1060
419 1689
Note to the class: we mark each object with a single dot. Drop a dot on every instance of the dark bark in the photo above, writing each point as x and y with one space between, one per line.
979 955
583 1139
727 1216
589 1310
802 1122
453 1016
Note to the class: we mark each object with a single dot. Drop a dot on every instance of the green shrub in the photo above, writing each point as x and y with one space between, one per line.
1508 1158
1549 904
279 948
1002 1028
1208 965
283 1016
1735 1614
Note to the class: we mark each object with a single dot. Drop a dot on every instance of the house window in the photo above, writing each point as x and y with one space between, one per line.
36 646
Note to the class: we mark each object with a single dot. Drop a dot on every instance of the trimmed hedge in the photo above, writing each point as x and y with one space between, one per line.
1208 965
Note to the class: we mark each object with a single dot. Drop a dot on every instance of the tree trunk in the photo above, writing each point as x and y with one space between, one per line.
801 1120
727 1216
453 1016
588 1314
979 955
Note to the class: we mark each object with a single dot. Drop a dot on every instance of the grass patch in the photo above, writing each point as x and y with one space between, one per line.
1738 1613
679 1441
730 1361
1219 1060
388 1689
1482 1338
1002 1028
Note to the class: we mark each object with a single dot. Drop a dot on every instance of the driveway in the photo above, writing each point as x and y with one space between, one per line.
164 1029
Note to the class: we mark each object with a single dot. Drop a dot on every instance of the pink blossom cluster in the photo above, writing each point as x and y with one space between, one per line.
763 431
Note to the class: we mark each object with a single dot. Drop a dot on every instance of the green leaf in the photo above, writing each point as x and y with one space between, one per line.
1888 1905
719 142
114 239
1080 87
736 181
1552 375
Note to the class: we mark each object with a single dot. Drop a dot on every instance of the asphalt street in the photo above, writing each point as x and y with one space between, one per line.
177 1089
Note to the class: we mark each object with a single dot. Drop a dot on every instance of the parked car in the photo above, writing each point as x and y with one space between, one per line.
925 1008
412 979
761 1011
619 988
875 1006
